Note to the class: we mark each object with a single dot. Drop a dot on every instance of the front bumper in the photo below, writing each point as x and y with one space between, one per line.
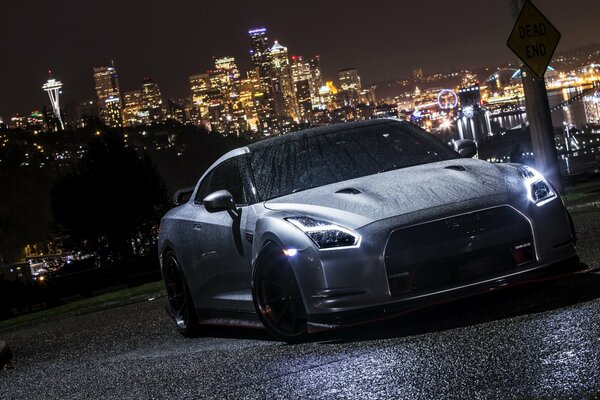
325 321
465 256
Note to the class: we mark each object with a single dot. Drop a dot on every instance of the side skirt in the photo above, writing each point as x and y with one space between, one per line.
240 319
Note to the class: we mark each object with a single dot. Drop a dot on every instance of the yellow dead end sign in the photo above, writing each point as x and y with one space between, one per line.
533 39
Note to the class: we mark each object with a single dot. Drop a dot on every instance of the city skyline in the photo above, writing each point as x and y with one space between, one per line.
272 97
171 43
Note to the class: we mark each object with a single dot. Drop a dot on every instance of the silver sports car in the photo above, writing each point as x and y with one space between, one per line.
354 222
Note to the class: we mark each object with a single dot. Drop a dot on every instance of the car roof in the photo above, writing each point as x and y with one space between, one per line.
321 130
302 134
294 136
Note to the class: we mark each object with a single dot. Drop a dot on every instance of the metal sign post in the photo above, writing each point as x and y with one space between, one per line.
534 39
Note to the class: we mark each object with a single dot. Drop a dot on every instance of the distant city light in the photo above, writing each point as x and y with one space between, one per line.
468 111
446 124
280 93
257 30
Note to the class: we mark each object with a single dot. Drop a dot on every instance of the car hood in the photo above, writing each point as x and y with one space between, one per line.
374 197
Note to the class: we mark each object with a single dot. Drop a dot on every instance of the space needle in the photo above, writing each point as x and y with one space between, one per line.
52 87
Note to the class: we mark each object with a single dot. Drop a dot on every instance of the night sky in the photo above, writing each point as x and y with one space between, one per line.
170 40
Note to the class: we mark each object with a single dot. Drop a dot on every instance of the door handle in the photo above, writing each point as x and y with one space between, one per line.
197 227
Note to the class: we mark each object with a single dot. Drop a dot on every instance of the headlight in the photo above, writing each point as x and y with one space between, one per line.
325 235
539 191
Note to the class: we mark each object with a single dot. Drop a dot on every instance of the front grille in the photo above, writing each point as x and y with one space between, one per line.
457 250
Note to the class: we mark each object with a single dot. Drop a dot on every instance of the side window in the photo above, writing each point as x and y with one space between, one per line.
204 189
225 176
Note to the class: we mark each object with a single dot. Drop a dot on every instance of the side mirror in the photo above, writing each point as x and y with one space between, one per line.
221 200
182 195
465 148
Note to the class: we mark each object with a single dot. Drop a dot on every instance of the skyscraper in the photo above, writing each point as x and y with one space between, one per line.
301 78
349 79
132 105
248 87
107 87
226 79
260 50
200 86
112 112
303 98
228 65
350 88
263 102
152 104
265 94
217 99
315 80
176 110
281 75
300 69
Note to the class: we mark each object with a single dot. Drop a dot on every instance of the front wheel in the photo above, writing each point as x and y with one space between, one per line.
277 298
180 300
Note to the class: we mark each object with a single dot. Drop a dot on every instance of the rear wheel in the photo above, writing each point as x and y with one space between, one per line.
277 298
180 300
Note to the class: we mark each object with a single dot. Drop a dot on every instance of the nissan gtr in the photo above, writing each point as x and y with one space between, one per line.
350 223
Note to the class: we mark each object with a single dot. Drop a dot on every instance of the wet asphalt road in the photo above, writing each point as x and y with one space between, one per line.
534 342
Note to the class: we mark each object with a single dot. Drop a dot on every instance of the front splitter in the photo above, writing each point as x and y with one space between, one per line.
334 320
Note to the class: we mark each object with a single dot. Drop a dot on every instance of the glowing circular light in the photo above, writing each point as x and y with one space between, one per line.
447 99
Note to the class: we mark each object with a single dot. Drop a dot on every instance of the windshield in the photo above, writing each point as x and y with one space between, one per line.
316 160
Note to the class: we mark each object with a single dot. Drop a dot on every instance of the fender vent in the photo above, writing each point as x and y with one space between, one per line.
349 191
456 167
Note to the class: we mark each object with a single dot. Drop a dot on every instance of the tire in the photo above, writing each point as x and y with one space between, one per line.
181 306
277 298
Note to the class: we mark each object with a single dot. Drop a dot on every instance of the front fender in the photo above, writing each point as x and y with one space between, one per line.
306 263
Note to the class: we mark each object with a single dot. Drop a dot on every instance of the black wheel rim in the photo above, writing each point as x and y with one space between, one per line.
178 300
279 300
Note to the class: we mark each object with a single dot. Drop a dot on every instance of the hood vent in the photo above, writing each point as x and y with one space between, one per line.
456 167
349 190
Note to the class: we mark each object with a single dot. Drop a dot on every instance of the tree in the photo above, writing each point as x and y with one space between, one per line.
112 200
